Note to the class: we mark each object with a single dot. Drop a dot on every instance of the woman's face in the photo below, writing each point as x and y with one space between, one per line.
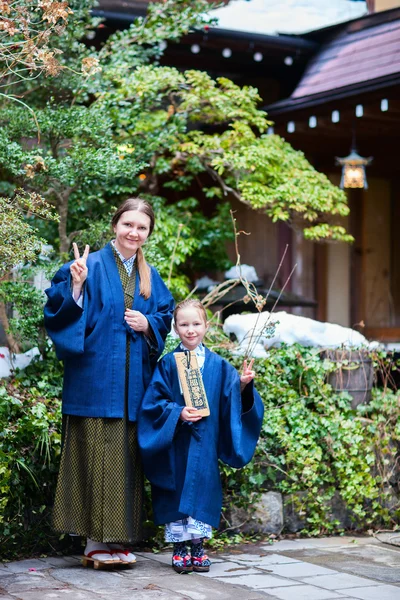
131 231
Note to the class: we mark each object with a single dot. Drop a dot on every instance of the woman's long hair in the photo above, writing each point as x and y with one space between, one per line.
143 267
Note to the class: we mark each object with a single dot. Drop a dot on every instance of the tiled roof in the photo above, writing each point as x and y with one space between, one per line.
357 57
352 57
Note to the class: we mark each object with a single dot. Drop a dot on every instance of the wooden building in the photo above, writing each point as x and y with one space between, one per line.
321 89
351 89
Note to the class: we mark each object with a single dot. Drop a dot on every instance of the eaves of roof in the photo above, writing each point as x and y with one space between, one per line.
290 105
285 42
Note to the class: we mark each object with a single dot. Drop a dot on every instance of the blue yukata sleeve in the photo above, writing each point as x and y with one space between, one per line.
241 416
158 418
64 319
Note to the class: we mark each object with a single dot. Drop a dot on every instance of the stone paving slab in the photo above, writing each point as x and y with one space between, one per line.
342 540
27 581
229 569
338 581
259 581
382 553
61 561
260 559
56 594
378 592
283 545
21 566
98 581
305 592
299 570
326 543
200 588
158 557
381 564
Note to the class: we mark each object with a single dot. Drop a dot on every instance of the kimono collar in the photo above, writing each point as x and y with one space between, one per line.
200 352
127 262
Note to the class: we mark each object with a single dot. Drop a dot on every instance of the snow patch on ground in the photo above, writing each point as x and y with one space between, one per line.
247 272
290 329
9 361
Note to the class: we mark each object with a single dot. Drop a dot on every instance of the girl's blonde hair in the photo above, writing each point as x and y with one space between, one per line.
192 303
144 270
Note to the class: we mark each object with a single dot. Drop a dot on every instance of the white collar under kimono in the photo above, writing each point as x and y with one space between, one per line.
200 352
127 262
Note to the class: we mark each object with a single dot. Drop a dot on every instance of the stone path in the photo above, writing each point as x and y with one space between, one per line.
340 567
323 569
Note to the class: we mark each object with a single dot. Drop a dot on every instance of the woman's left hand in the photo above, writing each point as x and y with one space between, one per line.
137 321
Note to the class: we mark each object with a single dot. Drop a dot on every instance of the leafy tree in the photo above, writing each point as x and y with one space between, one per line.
76 162
133 127
18 239
207 138
28 50
26 31
19 243
73 164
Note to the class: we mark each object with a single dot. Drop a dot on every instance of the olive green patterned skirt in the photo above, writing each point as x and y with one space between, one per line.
100 484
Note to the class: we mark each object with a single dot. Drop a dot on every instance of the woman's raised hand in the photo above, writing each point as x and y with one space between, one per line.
79 270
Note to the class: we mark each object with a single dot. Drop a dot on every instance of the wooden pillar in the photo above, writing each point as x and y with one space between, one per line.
321 281
357 256
395 251
285 238
303 279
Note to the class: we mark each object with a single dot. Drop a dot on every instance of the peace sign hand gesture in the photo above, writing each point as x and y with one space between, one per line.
247 374
79 270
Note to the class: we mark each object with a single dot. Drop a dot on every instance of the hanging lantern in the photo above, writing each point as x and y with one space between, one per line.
353 170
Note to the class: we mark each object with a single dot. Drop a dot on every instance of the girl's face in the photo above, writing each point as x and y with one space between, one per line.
131 231
191 326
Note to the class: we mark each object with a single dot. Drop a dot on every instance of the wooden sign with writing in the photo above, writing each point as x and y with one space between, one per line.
192 382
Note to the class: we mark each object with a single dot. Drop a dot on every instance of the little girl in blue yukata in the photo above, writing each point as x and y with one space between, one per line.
180 448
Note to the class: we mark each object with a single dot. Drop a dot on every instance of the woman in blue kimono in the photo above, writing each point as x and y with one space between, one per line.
180 449
108 314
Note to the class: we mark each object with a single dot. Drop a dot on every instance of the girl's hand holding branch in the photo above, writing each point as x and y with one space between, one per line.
79 270
247 374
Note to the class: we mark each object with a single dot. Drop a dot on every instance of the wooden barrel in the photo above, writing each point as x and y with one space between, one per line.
354 374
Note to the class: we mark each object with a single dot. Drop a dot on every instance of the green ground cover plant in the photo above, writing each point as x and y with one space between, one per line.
30 446
312 447
316 450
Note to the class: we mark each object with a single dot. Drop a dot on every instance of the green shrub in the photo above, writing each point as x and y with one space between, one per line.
312 447
30 442
28 326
